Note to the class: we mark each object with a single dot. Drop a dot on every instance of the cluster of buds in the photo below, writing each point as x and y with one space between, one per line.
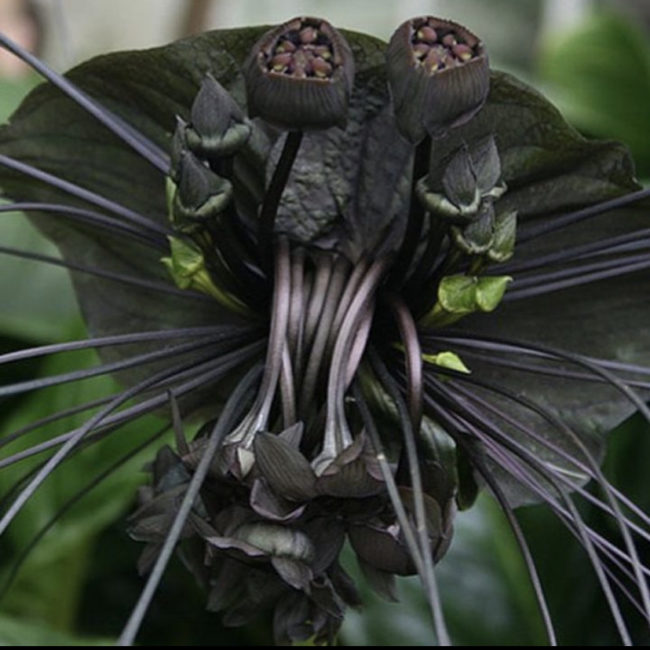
217 130
464 196
272 541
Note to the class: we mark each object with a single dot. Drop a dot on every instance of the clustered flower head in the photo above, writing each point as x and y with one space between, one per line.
325 232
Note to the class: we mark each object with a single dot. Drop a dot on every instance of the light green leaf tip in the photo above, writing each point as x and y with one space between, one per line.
186 265
459 295
447 359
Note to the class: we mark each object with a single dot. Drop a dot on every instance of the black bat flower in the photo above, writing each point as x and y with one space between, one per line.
380 277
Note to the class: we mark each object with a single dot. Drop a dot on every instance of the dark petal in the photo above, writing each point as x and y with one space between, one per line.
459 180
192 555
337 198
296 574
168 470
147 558
290 619
197 520
286 470
381 581
227 585
348 475
439 458
228 520
218 127
349 481
262 590
505 235
486 164
478 236
150 528
269 505
293 435
237 548
328 601
432 512
328 535
165 504
381 548
201 193
344 585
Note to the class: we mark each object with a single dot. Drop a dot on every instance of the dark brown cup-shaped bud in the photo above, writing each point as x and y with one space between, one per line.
436 83
299 75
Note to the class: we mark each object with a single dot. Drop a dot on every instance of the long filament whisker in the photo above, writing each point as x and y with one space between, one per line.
591 469
556 223
400 512
94 218
104 369
120 339
117 125
150 285
473 421
84 194
523 547
416 483
205 372
594 470
70 503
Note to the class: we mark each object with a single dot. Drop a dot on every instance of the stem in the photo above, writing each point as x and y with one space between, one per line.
415 221
274 194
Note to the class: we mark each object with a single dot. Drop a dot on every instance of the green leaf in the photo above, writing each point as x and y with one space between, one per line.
446 360
186 265
26 632
599 75
460 295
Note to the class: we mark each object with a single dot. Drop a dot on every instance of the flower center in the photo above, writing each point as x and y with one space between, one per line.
305 50
438 47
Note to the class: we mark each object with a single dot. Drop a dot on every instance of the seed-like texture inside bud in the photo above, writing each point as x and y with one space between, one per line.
439 47
299 75
439 76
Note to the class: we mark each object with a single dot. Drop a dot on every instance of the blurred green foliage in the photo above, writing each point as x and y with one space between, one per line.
599 76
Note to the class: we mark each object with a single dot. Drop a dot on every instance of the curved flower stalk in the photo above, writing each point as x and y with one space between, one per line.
369 328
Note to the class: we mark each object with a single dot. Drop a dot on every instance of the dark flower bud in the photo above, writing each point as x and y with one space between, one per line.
178 146
200 192
438 74
478 236
299 75
459 188
505 234
218 126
